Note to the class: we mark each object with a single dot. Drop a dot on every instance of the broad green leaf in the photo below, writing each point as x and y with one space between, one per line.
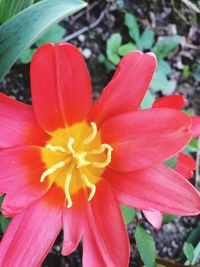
1 200
124 49
196 253
128 214
165 46
53 35
196 72
131 22
188 250
171 162
193 145
4 222
146 246
9 8
161 83
146 39
112 46
148 100
20 32
26 57
167 218
164 67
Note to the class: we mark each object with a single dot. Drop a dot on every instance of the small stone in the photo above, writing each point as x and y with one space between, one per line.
81 38
86 53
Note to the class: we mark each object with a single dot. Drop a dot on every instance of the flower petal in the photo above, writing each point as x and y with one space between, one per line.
30 235
20 171
73 224
157 187
185 165
195 126
18 125
127 88
142 138
105 241
154 217
170 101
61 87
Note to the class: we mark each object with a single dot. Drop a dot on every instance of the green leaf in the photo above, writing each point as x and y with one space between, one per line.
165 46
54 35
164 67
167 218
128 214
20 32
193 145
161 83
131 22
146 40
9 8
146 246
148 100
4 222
171 162
124 49
188 250
112 46
26 57
196 72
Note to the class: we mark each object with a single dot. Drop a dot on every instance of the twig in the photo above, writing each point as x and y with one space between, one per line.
197 178
191 5
86 28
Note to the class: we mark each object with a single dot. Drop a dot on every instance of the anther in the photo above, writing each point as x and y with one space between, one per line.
67 192
55 148
108 160
89 185
51 170
91 137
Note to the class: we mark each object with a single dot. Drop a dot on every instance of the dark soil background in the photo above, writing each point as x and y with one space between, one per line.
101 19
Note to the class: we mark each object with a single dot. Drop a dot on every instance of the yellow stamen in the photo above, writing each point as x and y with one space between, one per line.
69 145
51 170
67 193
101 149
92 135
89 185
80 159
108 160
55 148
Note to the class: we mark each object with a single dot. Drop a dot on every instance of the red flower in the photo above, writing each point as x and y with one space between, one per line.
69 163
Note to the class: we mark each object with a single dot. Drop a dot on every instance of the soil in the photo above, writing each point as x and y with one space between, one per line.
166 17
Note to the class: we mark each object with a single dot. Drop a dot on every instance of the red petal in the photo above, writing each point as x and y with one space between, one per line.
30 236
170 101
142 138
185 165
154 217
195 126
61 87
127 88
104 223
73 224
18 125
20 172
157 187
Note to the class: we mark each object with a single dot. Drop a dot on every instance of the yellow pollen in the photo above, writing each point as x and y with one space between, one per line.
55 148
93 134
51 170
67 193
108 160
89 185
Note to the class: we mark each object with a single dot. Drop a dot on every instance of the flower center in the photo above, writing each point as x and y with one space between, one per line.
75 159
